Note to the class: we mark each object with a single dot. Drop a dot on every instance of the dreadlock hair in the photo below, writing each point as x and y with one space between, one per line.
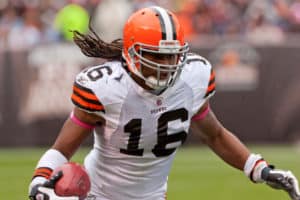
92 46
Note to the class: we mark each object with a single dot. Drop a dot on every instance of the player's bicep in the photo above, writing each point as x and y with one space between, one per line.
75 130
206 124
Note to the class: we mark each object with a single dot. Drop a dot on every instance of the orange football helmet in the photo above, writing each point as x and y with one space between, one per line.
154 30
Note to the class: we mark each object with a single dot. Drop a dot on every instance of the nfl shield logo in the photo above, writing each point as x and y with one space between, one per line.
158 102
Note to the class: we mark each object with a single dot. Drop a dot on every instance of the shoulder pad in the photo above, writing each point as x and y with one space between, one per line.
199 74
95 75
99 86
98 72
192 57
86 81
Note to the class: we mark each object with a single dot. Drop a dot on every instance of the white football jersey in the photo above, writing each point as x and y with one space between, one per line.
133 152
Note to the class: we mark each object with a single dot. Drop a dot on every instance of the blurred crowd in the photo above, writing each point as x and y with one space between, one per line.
25 23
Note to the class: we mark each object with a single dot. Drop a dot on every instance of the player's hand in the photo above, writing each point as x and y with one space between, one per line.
46 191
284 180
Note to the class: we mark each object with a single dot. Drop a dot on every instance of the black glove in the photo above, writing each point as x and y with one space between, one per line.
280 179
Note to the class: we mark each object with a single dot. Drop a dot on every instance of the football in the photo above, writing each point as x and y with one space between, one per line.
74 181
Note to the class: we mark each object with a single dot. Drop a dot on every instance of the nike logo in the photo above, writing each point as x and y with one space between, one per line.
119 78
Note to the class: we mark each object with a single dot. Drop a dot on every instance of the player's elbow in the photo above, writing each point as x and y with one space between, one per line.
214 136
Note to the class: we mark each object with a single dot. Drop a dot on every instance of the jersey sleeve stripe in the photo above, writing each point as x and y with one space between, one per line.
209 93
211 85
87 105
211 82
85 98
84 92
88 100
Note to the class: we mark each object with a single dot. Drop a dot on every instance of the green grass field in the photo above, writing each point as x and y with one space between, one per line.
197 174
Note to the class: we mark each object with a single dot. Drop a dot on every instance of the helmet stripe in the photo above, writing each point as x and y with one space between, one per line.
166 23
173 28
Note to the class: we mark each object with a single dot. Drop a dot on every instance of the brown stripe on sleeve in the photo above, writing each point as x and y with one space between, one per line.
43 172
211 84
86 99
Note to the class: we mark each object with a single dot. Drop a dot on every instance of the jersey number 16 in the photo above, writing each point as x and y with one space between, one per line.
163 139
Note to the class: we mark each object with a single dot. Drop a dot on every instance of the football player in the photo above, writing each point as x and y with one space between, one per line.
140 105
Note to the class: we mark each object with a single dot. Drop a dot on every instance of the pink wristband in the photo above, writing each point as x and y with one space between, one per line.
81 123
201 116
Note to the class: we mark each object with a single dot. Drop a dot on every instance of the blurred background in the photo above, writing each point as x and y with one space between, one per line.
253 45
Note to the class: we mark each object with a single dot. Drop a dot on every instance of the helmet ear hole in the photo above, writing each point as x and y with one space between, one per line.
131 52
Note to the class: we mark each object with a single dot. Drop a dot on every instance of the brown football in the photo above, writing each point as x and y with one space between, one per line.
74 181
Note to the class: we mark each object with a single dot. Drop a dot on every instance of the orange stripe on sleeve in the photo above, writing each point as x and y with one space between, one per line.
43 171
85 104
85 93
211 84
211 87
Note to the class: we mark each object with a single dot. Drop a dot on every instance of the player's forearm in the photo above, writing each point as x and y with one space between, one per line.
229 148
